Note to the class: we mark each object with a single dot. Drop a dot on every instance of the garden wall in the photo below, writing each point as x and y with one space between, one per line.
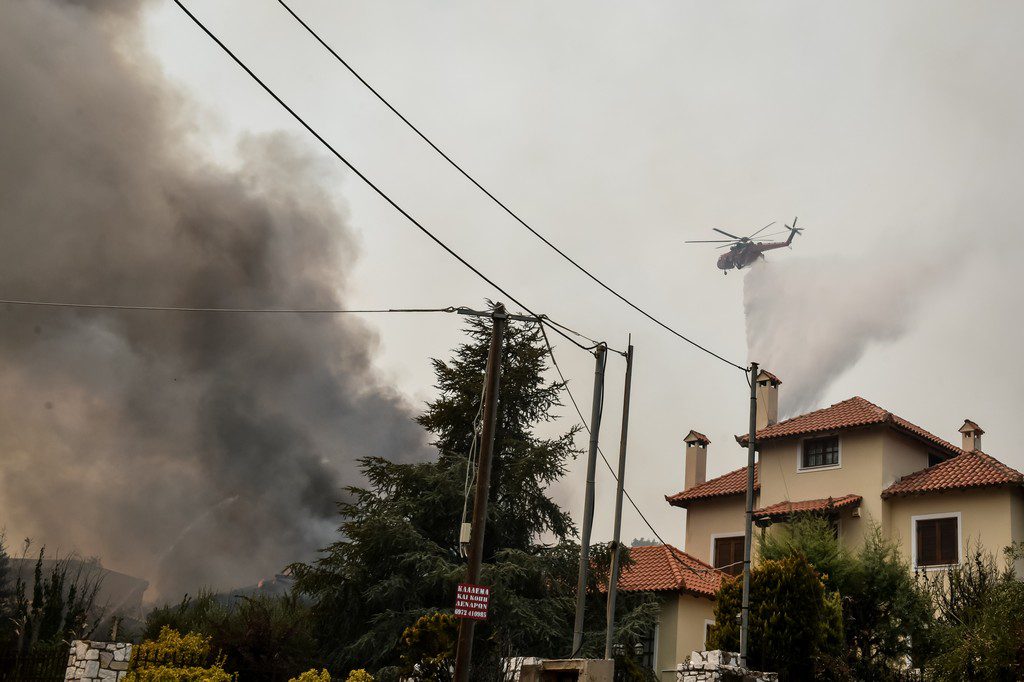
95 661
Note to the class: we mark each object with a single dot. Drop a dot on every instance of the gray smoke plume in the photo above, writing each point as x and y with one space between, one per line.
808 321
212 445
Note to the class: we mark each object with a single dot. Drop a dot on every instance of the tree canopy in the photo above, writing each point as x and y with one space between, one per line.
398 557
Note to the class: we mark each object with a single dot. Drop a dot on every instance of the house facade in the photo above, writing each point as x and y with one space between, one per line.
861 467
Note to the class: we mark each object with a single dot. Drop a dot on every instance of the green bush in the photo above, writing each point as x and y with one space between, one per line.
314 676
158 660
884 609
979 634
261 637
428 647
793 620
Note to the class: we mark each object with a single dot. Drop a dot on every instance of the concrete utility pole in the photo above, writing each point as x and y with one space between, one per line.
613 577
492 379
601 357
749 521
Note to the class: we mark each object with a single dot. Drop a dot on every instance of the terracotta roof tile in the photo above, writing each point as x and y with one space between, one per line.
784 509
849 413
732 483
697 437
654 569
969 470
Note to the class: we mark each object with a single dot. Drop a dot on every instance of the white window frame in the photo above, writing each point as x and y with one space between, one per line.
715 536
708 624
654 648
801 469
959 539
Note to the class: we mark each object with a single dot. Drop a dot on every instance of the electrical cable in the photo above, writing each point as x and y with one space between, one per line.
583 421
355 170
182 309
497 201
471 459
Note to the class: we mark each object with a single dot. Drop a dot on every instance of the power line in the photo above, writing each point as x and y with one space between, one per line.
182 309
359 173
497 201
583 421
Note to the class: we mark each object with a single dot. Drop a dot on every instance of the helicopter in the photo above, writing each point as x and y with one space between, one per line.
744 251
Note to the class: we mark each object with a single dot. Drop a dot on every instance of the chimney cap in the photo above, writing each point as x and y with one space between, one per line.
971 427
766 376
696 438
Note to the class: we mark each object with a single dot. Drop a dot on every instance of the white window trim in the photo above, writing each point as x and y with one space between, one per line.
708 624
715 536
801 469
959 539
654 648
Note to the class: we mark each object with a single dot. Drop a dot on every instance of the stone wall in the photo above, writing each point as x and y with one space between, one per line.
95 661
719 666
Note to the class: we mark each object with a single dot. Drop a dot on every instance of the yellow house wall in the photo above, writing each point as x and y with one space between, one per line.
668 627
859 472
680 631
1017 526
716 516
989 518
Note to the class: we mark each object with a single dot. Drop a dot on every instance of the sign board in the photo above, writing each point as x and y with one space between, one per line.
471 601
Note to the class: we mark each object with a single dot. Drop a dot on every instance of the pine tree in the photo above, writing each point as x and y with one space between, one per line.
398 558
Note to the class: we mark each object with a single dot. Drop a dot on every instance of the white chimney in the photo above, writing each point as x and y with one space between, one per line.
972 436
767 399
696 459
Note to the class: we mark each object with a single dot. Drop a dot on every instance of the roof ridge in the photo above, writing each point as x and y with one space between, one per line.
823 409
668 552
687 555
967 470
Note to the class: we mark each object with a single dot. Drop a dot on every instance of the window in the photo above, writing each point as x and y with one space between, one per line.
938 541
820 452
729 554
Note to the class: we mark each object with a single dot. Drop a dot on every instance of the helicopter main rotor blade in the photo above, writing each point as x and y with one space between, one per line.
722 246
726 233
709 241
761 230
773 234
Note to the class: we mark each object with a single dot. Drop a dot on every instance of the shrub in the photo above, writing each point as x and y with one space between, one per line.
359 676
980 630
428 647
314 676
174 656
793 620
261 637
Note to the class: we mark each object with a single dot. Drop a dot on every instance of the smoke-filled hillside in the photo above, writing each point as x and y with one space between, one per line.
189 449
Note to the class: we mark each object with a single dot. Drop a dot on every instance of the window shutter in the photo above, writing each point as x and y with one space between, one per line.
927 543
938 542
948 550
729 555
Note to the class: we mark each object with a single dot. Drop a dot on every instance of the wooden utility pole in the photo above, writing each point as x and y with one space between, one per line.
749 521
601 357
492 379
613 577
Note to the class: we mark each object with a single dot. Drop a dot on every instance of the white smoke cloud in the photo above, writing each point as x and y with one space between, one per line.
811 320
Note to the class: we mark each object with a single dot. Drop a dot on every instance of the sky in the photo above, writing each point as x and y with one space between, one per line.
621 130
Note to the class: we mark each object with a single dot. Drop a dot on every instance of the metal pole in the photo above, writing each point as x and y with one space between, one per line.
492 379
749 521
613 576
600 355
